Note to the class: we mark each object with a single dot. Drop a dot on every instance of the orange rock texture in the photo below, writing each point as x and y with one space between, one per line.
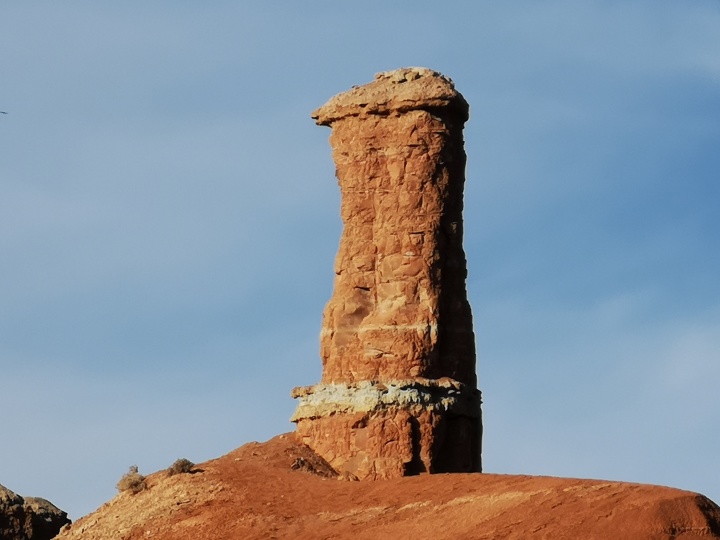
280 489
398 392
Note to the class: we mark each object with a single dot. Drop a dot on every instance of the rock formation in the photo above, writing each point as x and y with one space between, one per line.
30 518
398 392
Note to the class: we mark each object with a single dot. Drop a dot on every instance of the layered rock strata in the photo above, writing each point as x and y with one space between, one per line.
398 392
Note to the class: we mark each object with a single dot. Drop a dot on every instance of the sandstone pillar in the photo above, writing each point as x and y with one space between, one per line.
398 392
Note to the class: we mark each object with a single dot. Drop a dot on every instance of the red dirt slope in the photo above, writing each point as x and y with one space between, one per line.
280 489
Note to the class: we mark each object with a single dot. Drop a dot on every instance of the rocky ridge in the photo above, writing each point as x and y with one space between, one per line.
281 489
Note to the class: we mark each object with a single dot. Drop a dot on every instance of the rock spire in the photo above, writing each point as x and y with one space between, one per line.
398 393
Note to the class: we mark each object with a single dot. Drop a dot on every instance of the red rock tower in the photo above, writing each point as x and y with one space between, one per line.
398 393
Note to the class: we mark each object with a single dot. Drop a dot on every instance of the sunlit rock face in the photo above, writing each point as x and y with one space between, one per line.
398 392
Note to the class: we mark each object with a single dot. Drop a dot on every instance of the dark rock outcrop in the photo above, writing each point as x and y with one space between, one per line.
30 518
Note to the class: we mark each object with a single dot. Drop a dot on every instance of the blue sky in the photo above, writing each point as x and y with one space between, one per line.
169 218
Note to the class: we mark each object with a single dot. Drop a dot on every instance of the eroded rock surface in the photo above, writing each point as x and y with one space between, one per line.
30 518
397 340
279 489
